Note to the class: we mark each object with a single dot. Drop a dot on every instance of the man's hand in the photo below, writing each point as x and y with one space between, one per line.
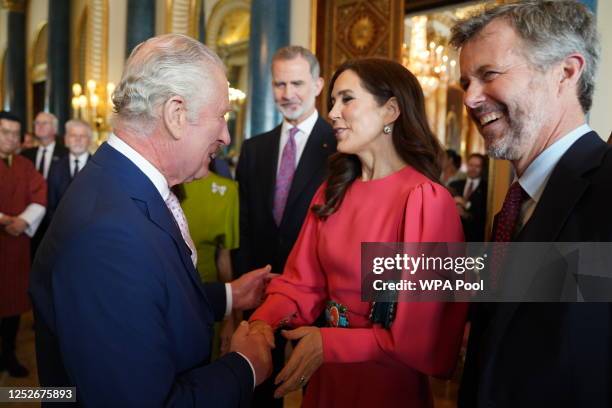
305 359
16 227
259 326
228 326
5 220
248 290
255 348
461 206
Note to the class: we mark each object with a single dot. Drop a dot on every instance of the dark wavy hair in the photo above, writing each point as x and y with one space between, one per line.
412 138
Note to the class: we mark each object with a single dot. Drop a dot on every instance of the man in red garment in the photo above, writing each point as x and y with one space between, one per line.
23 197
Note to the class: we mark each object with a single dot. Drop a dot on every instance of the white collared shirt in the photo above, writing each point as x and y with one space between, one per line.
536 176
82 158
301 137
48 157
160 183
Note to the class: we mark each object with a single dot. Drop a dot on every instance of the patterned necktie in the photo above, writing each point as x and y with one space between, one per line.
285 176
76 167
179 216
505 224
41 163
507 218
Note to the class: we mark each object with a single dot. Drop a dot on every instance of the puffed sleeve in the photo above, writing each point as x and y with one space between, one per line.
424 336
297 297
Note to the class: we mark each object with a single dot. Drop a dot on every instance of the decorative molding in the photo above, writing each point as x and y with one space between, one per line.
182 17
217 18
96 60
357 29
17 6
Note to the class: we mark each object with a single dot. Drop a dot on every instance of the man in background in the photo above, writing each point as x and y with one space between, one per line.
471 197
278 173
78 139
49 151
23 197
451 168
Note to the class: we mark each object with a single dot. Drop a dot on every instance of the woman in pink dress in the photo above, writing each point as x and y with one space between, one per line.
382 187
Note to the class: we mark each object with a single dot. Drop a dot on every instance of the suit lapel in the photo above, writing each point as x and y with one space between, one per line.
563 190
140 188
313 157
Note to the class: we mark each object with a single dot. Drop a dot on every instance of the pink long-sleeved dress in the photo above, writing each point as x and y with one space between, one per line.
366 365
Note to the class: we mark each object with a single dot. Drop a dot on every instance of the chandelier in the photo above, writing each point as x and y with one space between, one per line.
428 62
93 104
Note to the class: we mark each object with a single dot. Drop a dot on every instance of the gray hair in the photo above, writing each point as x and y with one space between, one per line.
293 51
54 121
160 68
78 122
551 30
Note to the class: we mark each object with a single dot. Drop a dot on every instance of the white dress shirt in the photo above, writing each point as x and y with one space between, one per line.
301 137
48 157
82 162
536 176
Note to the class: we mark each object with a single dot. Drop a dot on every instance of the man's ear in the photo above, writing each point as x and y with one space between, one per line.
572 68
318 86
174 116
392 110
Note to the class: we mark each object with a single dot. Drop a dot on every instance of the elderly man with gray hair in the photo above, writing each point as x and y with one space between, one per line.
528 72
78 139
119 308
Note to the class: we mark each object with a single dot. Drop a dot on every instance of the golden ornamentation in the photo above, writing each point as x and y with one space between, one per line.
17 6
362 32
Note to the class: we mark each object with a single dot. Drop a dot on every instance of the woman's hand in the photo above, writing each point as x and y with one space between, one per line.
306 358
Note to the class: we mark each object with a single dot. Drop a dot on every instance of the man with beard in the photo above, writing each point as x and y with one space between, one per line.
278 174
528 72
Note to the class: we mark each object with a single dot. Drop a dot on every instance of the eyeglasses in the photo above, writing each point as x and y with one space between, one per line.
7 132
41 122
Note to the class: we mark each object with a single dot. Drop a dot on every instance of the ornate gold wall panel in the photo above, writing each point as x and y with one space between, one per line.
96 65
182 16
350 29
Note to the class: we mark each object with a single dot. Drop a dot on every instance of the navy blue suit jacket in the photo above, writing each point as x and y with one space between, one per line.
119 307
58 180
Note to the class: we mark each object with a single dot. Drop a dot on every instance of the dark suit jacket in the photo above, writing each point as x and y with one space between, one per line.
58 180
119 307
532 355
474 224
261 240
59 152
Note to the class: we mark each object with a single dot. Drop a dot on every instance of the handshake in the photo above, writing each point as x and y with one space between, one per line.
255 340
14 226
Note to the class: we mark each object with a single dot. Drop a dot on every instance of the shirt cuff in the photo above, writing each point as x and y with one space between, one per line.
33 215
229 301
252 368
